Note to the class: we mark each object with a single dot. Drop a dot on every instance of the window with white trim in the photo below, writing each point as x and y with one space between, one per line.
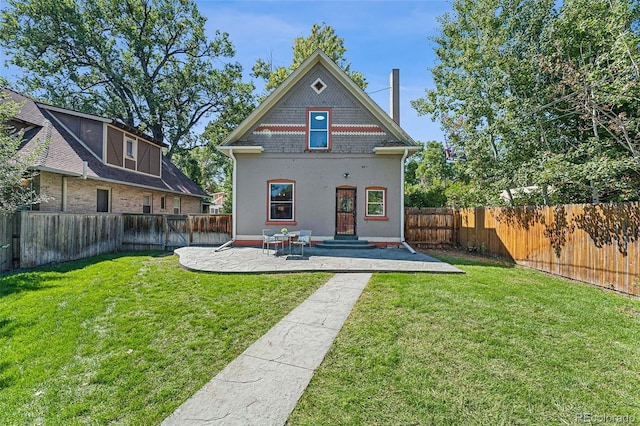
146 204
176 205
130 147
376 202
318 85
318 129
281 201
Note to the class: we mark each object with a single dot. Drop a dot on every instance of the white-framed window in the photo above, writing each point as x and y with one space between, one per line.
176 205
130 147
163 202
318 129
103 200
376 202
146 203
281 201
318 85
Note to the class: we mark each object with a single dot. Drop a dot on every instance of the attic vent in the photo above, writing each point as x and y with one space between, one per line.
318 86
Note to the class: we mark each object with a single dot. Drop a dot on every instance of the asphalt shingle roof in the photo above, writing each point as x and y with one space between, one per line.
64 154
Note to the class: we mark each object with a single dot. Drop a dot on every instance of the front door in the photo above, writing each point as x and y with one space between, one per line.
345 212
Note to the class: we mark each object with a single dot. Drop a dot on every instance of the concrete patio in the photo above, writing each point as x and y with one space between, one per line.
254 260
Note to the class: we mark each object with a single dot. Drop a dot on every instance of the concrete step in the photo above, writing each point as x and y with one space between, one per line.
346 244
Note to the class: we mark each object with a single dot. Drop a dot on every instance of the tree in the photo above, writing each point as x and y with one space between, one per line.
593 62
431 180
540 98
425 177
201 161
322 37
483 81
147 63
16 176
214 169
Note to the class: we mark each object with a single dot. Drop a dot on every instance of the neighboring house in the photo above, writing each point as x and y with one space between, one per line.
95 164
217 202
319 154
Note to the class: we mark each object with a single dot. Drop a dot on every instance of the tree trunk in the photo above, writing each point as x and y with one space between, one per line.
545 195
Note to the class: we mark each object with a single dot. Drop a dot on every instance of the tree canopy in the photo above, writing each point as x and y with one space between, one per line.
541 98
322 37
147 63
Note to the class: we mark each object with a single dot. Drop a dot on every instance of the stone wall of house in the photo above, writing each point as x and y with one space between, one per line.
51 188
81 197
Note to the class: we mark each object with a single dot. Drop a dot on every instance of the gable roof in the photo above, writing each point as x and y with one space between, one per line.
65 154
318 57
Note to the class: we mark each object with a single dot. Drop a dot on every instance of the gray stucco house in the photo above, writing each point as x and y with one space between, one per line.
319 154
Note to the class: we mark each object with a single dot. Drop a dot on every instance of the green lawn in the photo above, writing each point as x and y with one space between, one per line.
126 338
498 345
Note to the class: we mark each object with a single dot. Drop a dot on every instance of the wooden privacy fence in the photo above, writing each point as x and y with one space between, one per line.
40 238
9 246
145 232
598 244
430 227
46 238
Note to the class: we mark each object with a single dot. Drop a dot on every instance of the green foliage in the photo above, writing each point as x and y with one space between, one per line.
433 181
541 98
433 167
480 84
426 177
214 167
148 64
322 37
421 196
16 176
462 194
593 66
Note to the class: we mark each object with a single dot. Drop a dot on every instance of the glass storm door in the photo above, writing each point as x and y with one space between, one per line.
345 212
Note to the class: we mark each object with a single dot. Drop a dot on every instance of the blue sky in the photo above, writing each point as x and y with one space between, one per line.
379 35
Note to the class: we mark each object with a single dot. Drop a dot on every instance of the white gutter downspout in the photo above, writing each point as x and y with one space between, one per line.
404 243
233 202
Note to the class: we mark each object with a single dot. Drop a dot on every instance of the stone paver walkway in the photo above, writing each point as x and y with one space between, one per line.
263 385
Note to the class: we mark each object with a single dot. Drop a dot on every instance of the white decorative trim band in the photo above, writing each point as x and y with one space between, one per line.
276 132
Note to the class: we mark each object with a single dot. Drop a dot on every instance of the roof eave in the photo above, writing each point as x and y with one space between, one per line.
72 112
396 150
41 168
242 149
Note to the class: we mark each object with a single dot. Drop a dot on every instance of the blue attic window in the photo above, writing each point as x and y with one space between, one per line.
319 123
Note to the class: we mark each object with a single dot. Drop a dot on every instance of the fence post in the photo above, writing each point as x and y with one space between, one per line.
456 228
16 248
165 231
